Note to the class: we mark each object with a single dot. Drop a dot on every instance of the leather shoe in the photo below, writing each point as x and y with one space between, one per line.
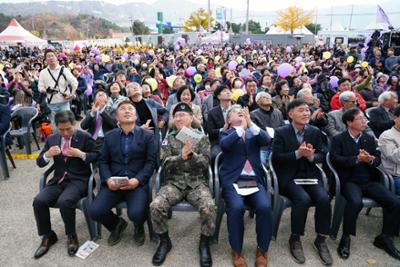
386 243
204 251
261 258
344 248
163 248
47 242
115 235
139 235
238 259
296 249
72 244
324 253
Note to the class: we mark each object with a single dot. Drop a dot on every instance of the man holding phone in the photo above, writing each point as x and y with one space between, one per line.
98 120
128 151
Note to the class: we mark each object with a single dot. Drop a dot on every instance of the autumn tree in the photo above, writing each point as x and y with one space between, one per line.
198 20
293 18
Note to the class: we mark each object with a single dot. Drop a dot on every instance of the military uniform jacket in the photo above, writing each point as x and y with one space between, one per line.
185 173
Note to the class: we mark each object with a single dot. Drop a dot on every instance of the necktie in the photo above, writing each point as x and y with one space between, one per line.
247 166
64 152
99 122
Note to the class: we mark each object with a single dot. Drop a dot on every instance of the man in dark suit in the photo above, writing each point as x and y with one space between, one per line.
128 151
72 152
381 118
297 148
99 120
355 156
216 121
241 163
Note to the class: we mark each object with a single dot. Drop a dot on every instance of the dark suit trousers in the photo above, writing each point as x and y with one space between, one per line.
137 202
65 196
235 209
302 197
390 203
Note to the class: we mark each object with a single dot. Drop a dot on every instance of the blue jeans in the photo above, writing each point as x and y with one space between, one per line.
396 185
55 108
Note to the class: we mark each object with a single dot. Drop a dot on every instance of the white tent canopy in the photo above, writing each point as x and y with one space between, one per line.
216 37
15 33
278 31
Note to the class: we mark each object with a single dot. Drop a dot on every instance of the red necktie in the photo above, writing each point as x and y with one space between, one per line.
99 122
64 152
247 166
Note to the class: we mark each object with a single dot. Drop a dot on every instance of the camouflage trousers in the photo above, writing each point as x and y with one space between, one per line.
199 197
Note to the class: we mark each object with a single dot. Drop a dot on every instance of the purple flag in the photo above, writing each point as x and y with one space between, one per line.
381 17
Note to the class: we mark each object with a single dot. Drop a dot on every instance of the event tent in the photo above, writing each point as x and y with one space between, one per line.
15 33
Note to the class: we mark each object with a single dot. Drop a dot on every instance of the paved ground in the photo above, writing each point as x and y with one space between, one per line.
18 236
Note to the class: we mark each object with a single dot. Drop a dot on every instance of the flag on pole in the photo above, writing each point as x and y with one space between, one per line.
381 17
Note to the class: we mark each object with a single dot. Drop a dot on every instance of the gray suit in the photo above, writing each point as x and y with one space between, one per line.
335 124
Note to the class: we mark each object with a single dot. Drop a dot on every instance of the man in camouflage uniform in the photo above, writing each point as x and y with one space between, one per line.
185 165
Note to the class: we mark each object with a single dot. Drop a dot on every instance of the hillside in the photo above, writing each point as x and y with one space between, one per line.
71 27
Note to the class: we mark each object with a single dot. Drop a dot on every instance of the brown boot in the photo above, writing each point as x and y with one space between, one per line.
261 258
238 259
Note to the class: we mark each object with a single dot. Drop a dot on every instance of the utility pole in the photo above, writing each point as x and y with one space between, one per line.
247 17
230 19
209 17
131 20
351 16
316 22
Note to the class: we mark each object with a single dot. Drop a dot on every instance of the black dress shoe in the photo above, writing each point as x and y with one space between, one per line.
139 236
72 245
163 248
324 253
115 235
344 248
386 243
296 249
47 242
204 251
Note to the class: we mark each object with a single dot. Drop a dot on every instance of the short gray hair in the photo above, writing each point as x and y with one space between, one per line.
302 92
345 96
130 85
233 108
262 94
386 96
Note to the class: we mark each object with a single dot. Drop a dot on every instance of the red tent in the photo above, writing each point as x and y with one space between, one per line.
15 33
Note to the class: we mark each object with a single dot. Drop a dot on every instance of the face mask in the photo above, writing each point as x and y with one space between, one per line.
207 87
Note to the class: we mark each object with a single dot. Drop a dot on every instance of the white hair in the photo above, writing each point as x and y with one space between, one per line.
345 96
302 92
386 96
130 85
262 94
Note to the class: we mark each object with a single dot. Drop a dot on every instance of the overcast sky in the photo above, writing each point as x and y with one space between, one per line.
260 4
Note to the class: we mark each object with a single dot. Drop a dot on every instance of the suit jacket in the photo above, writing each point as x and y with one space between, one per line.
335 123
141 162
89 122
78 171
156 111
344 153
286 165
379 121
215 121
236 152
